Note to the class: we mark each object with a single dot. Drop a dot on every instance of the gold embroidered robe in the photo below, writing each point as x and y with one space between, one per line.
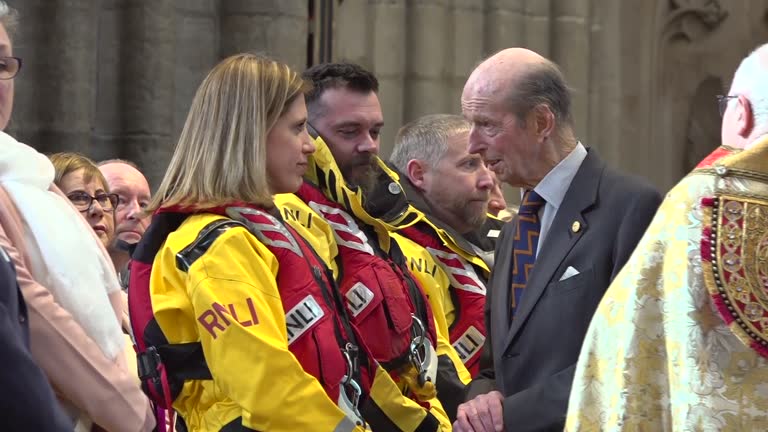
678 341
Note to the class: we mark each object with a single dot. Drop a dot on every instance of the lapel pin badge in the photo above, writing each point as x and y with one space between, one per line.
576 226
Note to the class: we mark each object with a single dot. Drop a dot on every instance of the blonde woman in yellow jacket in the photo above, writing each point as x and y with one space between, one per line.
237 324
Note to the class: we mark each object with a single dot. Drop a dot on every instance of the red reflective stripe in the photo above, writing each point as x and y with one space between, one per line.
470 296
457 268
167 394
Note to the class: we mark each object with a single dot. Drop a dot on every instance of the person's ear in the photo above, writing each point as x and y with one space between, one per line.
745 119
543 121
417 171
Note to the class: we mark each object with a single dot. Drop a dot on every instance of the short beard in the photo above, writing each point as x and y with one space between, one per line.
456 210
478 220
365 178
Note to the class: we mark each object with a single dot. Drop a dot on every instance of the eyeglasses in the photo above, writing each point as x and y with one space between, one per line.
722 102
83 202
9 67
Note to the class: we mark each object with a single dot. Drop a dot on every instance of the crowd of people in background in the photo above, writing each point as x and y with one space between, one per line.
284 276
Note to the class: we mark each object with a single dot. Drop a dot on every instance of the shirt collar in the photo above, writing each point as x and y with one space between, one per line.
557 181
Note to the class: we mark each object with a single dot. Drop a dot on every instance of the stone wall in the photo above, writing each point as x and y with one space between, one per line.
644 73
114 78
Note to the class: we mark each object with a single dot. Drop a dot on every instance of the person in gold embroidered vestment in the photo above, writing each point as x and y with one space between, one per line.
680 340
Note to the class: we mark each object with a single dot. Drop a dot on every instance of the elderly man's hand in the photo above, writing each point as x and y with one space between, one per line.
482 414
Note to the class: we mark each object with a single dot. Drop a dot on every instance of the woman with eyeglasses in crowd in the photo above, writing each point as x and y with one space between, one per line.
81 181
70 293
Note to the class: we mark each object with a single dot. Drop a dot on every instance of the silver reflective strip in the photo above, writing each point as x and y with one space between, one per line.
463 268
302 317
345 425
358 298
259 229
348 226
469 344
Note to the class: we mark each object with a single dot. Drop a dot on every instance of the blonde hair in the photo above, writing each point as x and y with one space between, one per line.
221 154
66 163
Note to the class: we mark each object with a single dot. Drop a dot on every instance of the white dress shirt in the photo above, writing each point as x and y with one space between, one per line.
554 186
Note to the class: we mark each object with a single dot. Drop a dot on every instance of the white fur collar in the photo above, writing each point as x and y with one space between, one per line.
63 251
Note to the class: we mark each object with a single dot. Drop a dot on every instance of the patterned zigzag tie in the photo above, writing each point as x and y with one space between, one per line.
524 245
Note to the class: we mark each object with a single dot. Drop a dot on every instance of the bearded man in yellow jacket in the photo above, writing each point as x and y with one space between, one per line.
385 301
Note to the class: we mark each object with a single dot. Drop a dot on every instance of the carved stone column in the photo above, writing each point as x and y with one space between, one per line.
687 53
571 50
197 51
466 27
388 48
430 47
352 33
504 24
147 83
276 27
605 87
58 43
538 26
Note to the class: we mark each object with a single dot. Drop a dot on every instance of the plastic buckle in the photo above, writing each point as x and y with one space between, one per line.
147 363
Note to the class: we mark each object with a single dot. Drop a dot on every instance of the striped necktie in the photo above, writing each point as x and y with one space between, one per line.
524 245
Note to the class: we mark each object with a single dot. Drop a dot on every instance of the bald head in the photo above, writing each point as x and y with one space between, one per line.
125 171
519 107
520 79
499 73
133 189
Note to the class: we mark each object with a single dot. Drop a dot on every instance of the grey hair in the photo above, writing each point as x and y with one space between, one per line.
426 139
9 18
542 84
749 80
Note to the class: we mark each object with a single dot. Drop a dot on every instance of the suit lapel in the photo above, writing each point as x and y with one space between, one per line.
581 196
501 283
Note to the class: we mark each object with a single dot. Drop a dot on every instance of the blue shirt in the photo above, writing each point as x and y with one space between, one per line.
554 186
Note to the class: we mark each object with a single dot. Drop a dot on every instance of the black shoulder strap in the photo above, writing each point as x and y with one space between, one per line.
203 242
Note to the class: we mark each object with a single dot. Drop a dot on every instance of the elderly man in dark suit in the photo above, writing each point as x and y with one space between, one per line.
27 400
578 223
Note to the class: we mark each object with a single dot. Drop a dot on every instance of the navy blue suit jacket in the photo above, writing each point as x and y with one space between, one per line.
602 217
